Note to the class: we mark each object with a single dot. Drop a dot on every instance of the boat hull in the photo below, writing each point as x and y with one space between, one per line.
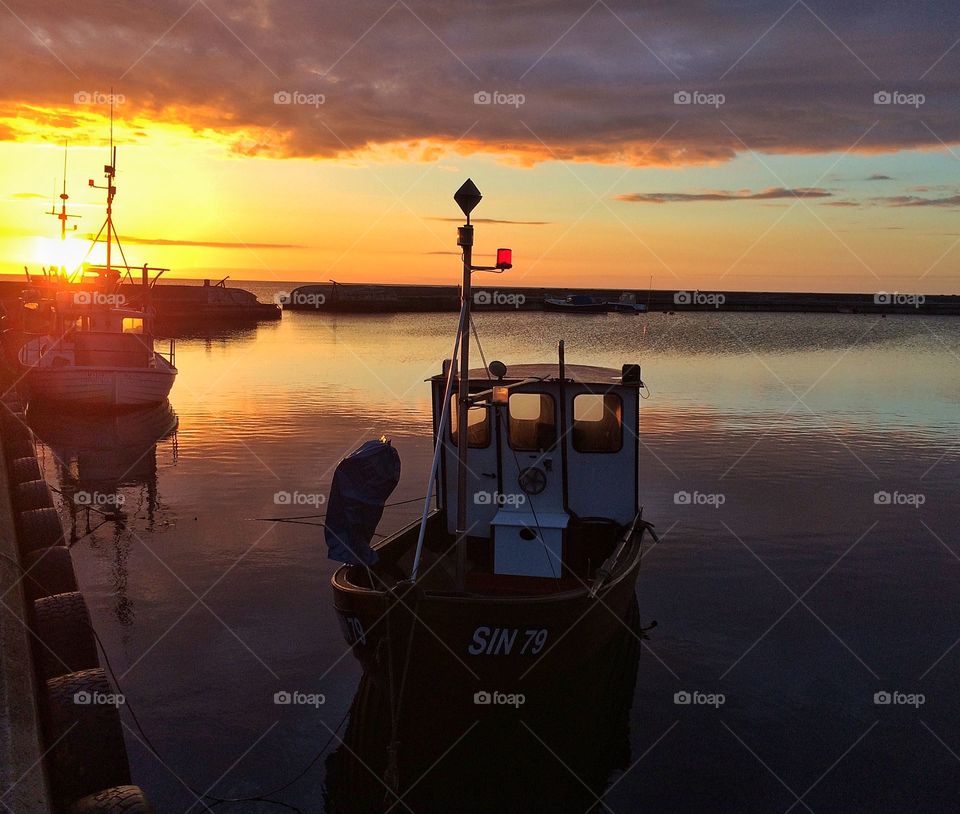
575 307
100 387
485 643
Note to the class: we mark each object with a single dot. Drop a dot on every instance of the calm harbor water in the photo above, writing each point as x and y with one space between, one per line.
802 471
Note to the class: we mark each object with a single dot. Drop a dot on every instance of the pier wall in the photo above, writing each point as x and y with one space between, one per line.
488 295
62 749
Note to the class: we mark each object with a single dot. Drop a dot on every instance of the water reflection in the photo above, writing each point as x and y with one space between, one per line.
525 753
104 468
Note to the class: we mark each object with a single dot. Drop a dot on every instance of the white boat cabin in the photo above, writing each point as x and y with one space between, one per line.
93 329
548 461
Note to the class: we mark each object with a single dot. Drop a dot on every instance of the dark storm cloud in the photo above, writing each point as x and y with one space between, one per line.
741 195
555 79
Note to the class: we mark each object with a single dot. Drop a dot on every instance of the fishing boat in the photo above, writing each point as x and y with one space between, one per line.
524 569
99 351
576 304
627 304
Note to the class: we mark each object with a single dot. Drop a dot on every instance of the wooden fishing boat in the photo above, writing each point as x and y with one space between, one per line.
525 568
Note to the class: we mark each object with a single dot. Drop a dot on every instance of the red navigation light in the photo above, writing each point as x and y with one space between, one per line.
504 258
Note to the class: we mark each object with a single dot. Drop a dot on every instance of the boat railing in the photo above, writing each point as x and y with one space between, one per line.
170 354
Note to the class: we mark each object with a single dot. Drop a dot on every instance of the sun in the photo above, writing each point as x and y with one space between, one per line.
66 254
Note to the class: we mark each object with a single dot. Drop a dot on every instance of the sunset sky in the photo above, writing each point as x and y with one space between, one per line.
714 145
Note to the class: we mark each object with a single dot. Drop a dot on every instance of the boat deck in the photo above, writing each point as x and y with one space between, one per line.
438 567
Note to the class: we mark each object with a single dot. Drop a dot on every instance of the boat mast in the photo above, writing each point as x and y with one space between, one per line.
110 172
467 197
63 216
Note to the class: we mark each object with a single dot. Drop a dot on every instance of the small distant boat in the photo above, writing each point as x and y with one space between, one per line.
627 304
577 304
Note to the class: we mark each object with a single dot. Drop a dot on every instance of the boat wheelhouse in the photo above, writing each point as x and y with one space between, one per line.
547 443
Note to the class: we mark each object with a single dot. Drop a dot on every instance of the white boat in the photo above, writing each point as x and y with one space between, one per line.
98 355
98 351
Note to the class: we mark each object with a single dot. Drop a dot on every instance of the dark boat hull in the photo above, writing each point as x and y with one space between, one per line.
576 308
485 643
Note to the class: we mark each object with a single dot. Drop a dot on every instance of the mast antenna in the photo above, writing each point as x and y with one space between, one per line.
63 216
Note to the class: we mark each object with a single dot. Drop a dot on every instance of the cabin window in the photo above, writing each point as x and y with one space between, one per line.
82 323
597 422
533 423
132 325
478 425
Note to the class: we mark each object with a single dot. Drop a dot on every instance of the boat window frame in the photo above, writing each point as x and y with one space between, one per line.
543 394
452 429
573 422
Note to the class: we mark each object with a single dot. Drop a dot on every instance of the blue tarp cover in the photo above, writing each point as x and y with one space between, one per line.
362 483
